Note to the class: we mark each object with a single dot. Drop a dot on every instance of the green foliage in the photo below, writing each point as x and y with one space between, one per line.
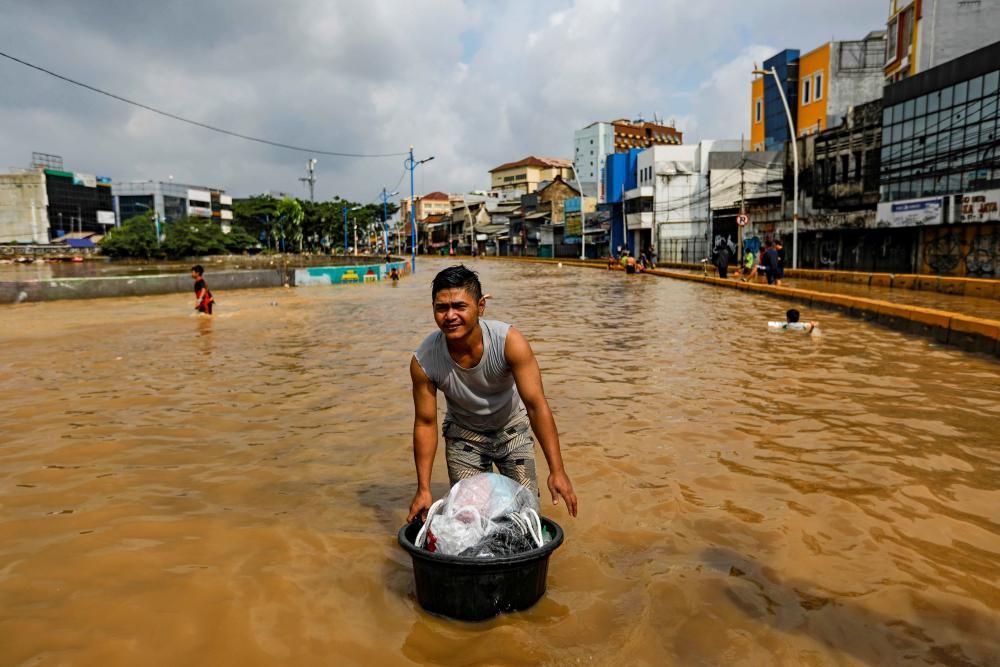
289 223
321 228
135 238
188 237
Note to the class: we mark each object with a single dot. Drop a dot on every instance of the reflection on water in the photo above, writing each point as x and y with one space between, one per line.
227 490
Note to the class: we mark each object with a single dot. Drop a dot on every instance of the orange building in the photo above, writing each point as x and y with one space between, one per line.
757 114
831 79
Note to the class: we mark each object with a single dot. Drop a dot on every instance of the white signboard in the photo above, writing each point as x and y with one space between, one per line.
106 217
980 206
911 213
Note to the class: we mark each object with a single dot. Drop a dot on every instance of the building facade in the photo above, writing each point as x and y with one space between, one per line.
822 86
434 203
172 201
922 34
594 143
524 176
592 146
939 165
751 183
41 205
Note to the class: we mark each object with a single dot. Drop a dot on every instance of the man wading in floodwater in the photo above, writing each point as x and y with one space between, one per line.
491 381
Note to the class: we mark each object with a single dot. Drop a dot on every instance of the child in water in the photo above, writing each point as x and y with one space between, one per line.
203 300
792 323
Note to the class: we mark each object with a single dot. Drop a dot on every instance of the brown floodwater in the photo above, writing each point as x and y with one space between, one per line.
192 491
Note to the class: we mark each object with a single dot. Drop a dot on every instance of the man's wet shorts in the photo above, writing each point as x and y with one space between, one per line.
511 450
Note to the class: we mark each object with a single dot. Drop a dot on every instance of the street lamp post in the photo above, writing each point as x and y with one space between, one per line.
385 217
583 224
412 164
345 210
156 219
795 164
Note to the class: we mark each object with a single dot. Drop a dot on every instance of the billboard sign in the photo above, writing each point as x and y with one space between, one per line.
980 206
911 213
86 180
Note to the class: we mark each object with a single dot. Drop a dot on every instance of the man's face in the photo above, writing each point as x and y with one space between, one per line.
456 312
194 274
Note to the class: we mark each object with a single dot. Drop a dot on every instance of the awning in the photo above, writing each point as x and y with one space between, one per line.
80 243
537 216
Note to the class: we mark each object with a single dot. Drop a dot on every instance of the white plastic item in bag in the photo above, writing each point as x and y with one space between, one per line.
472 511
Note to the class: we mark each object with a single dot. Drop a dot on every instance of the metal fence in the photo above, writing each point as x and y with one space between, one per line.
682 250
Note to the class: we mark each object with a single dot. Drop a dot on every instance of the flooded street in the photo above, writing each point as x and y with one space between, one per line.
193 491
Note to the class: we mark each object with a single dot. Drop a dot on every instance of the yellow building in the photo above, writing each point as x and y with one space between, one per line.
524 175
814 100
829 80
435 203
902 37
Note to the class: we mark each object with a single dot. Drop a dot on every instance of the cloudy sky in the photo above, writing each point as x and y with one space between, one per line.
473 83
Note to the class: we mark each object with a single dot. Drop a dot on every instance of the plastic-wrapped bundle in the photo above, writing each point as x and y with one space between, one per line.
483 516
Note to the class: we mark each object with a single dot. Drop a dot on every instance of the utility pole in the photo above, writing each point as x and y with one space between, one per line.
412 164
385 217
311 178
743 207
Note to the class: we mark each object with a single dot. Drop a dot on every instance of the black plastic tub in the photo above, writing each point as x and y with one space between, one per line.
474 589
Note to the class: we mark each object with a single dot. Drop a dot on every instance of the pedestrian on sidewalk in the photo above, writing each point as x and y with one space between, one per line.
771 264
722 259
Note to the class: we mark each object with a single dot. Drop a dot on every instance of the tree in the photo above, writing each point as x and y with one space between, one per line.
256 216
290 216
188 237
135 238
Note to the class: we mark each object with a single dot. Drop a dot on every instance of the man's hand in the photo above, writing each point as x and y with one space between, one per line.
559 485
422 502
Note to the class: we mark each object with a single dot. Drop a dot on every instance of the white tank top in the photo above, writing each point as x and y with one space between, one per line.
483 398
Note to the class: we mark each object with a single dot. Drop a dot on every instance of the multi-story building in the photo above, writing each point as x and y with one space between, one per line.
669 207
598 140
822 86
592 146
434 203
172 201
838 228
750 183
769 122
922 34
40 205
939 165
524 176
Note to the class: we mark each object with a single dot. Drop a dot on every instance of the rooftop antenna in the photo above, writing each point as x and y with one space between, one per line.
311 178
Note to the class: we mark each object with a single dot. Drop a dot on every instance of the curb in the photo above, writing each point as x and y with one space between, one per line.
968 333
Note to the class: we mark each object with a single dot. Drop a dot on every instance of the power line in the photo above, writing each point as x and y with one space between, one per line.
206 126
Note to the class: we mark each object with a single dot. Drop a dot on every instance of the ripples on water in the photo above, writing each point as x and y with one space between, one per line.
227 491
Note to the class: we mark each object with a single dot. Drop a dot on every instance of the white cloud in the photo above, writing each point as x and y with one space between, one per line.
378 76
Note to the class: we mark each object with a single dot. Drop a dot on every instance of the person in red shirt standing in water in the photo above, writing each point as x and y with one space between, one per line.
491 381
203 300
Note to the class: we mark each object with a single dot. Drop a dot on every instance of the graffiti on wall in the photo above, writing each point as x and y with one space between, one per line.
969 250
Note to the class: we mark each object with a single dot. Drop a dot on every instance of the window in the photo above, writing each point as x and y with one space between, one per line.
818 86
805 90
892 41
758 110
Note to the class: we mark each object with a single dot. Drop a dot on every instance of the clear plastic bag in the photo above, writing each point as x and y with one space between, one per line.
483 516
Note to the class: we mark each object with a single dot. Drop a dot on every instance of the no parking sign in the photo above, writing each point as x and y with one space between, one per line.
742 219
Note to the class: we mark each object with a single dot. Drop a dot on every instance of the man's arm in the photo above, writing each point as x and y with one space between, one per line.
424 438
528 379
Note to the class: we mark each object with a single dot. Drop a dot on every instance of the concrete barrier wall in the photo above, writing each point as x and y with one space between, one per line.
53 289
988 288
334 275
969 333
119 286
